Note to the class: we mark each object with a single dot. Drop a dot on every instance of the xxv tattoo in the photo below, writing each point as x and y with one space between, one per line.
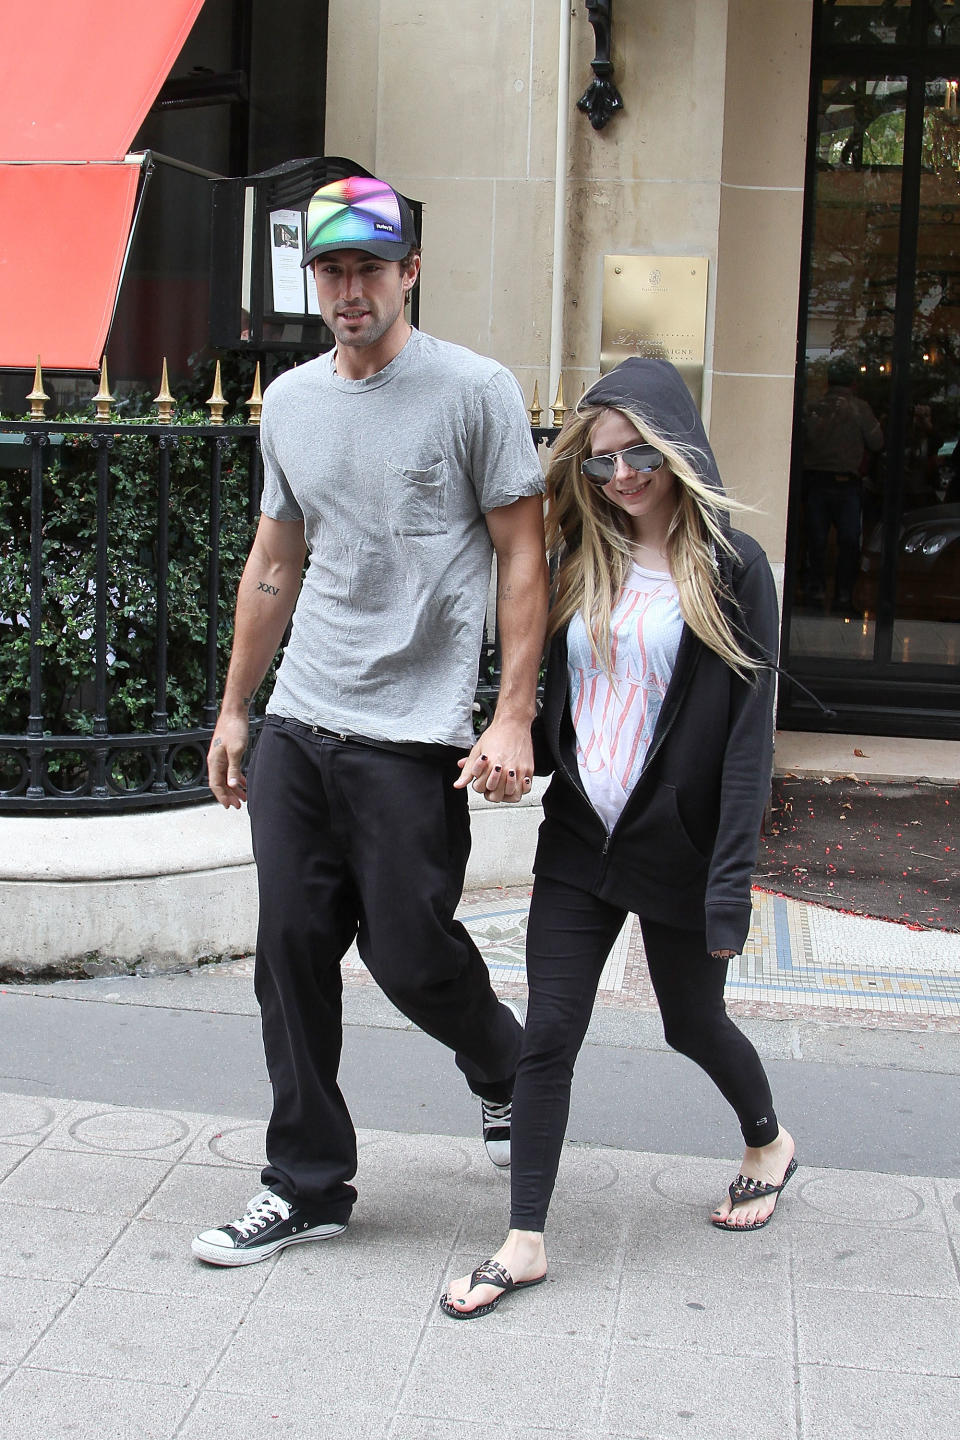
268 589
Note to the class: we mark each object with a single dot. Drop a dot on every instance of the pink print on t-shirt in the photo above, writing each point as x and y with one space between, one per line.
615 722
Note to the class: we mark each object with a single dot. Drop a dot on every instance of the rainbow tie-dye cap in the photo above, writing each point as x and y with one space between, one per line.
359 213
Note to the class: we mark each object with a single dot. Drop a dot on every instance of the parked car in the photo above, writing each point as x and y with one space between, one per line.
928 566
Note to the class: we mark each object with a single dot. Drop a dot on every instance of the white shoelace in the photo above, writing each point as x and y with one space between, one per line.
496 1114
262 1208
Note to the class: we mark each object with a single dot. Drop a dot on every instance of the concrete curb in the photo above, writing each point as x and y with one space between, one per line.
93 895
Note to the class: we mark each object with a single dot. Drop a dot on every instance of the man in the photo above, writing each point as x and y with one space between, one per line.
395 465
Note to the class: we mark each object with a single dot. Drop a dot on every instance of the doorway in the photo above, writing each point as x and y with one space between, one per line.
872 583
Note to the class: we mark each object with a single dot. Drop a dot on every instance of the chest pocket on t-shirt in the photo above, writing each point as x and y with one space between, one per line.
421 499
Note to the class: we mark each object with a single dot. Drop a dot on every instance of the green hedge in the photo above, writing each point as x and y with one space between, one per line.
69 589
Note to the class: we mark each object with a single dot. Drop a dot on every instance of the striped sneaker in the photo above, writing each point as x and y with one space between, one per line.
496 1118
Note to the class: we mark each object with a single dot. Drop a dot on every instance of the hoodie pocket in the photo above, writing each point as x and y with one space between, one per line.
658 842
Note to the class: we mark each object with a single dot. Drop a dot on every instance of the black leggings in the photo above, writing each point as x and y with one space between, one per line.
569 936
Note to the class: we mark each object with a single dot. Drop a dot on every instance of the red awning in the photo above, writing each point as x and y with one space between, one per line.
76 81
65 230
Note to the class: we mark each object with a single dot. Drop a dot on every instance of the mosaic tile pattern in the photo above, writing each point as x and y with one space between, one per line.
797 955
814 956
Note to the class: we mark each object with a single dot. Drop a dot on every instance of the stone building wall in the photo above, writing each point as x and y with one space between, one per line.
455 103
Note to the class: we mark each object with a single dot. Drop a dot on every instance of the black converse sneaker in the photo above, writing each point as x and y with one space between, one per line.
496 1132
269 1224
496 1118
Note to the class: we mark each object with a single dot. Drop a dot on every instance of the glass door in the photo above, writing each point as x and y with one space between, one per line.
926 558
872 587
849 345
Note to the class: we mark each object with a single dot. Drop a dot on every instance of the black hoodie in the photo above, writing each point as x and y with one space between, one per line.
684 847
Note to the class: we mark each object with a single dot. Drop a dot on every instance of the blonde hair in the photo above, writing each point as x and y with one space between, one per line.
592 541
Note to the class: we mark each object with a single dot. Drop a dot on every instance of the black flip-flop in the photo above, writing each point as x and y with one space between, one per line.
491 1273
743 1189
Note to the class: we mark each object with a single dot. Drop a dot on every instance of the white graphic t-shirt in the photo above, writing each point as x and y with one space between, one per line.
615 722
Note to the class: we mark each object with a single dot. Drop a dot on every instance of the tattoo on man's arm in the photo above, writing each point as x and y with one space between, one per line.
268 589
217 742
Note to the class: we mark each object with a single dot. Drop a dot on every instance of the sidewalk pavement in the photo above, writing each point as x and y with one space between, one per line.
840 1319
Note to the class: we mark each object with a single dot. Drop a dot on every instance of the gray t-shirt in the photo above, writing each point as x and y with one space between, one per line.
392 477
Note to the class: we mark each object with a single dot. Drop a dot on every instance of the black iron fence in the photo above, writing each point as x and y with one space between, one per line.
121 544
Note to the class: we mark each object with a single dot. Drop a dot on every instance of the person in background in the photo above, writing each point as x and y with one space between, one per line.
658 726
921 483
840 432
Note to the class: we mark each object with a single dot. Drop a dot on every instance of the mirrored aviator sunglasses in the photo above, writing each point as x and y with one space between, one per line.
642 458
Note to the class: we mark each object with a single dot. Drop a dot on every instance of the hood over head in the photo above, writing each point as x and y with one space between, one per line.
655 391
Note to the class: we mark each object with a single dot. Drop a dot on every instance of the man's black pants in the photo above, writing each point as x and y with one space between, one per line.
352 841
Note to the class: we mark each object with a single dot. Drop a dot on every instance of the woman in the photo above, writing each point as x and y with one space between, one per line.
657 723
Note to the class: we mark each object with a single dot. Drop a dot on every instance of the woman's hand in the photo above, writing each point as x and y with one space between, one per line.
500 765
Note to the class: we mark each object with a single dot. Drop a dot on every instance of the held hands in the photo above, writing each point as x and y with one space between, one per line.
224 759
500 765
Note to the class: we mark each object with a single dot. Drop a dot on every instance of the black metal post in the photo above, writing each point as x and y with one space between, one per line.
218 446
256 478
102 444
35 718
166 443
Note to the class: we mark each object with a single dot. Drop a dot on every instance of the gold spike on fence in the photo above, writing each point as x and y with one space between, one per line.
103 399
38 396
165 400
255 403
216 404
558 407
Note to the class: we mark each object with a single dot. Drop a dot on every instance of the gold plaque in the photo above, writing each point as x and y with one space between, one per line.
655 306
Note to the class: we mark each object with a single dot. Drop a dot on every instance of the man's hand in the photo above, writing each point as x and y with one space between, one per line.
268 592
500 765
224 758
